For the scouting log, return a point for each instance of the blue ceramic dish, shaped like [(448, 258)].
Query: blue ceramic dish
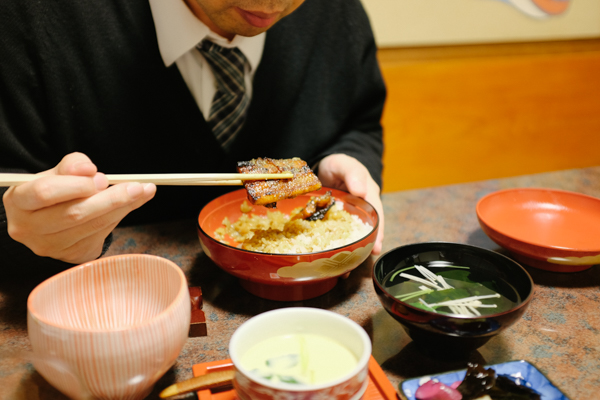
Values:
[(523, 369)]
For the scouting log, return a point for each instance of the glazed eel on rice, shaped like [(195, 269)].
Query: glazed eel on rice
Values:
[(268, 192)]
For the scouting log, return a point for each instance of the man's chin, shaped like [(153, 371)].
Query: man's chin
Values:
[(250, 31)]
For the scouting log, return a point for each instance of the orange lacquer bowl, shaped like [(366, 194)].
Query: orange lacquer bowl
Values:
[(549, 229), (284, 277)]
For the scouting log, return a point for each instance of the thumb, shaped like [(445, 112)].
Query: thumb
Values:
[(356, 182), (343, 172), (76, 164)]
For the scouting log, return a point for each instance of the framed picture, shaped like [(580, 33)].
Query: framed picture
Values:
[(442, 22)]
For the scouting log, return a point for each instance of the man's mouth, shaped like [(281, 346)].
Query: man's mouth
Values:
[(259, 19)]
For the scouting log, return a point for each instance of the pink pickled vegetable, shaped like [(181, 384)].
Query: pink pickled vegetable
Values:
[(432, 390), (455, 384)]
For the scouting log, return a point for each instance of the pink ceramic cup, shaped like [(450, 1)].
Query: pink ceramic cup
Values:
[(301, 320), (110, 328)]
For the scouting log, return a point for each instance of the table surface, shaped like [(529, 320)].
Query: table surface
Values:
[(559, 333)]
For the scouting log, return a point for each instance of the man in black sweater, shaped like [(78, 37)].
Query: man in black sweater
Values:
[(89, 86)]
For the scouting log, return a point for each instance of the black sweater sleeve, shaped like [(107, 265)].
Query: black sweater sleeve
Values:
[(362, 136)]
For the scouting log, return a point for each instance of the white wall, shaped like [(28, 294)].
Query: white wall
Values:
[(438, 22)]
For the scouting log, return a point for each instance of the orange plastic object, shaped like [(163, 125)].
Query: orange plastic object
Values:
[(555, 230), (284, 277), (379, 388)]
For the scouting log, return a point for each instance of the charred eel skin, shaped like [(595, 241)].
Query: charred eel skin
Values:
[(268, 192)]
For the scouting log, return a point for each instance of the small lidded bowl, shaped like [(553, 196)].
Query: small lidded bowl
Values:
[(110, 328), (300, 353)]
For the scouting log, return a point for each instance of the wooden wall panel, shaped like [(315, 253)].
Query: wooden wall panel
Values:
[(481, 112)]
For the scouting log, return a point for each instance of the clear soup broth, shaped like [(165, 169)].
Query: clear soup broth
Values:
[(451, 289), (300, 358)]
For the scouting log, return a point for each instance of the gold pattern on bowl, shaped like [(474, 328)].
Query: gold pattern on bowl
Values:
[(338, 264), (587, 260)]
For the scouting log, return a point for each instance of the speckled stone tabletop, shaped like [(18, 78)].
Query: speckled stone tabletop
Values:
[(559, 333)]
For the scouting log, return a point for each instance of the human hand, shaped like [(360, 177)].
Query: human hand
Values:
[(68, 213), (346, 173)]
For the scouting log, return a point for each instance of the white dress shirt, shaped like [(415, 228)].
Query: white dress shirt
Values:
[(178, 32)]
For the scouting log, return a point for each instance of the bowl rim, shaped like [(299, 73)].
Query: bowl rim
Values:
[(295, 255), (90, 264), (524, 302), (362, 363), (483, 221)]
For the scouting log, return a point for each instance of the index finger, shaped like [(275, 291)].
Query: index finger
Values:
[(49, 190)]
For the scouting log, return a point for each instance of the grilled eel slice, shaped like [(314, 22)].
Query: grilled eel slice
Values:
[(268, 193), (316, 208)]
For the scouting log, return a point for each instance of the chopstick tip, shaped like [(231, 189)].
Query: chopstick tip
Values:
[(169, 391)]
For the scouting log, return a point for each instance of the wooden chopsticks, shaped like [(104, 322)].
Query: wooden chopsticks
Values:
[(202, 382), (9, 179)]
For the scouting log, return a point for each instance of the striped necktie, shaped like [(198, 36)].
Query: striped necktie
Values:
[(228, 110)]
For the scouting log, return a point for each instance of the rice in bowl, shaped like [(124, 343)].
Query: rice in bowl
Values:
[(278, 233)]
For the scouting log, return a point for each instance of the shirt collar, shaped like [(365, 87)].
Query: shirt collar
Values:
[(178, 31)]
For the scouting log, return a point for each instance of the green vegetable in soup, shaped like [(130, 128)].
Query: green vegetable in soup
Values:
[(451, 290)]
